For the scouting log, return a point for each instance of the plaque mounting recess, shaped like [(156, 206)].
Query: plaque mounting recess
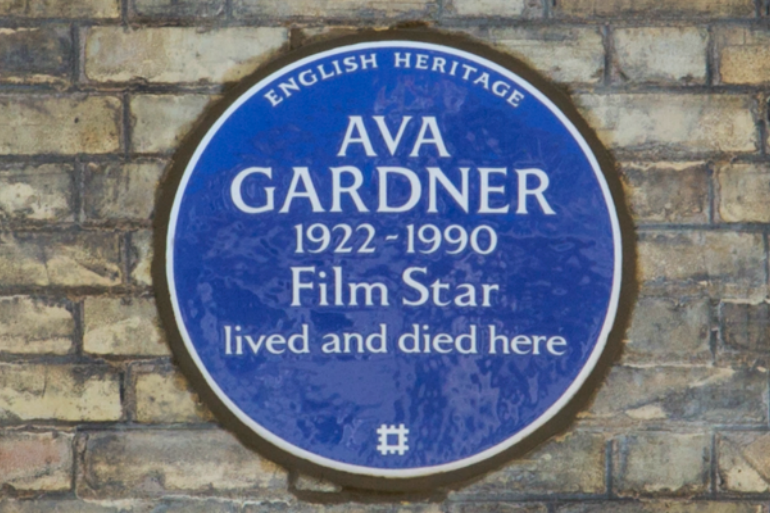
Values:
[(392, 259)]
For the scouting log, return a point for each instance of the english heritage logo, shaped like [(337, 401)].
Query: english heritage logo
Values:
[(390, 259)]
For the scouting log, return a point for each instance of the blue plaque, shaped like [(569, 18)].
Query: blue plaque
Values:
[(391, 258)]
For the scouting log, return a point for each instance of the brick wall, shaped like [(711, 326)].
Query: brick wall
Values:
[(95, 95)]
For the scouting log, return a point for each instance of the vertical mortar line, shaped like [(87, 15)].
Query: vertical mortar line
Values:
[(608, 478), (712, 200), (128, 397), (79, 443), (79, 200), (124, 13), (711, 56), (228, 10), (714, 328), (767, 261), (763, 121), (438, 17), (126, 126), (125, 254), (607, 40), (713, 467), (547, 9), (550, 507), (758, 8), (75, 57), (78, 312)]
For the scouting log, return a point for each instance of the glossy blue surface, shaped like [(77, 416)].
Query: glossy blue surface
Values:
[(232, 268)]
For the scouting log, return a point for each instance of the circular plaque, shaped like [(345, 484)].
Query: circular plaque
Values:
[(391, 258)]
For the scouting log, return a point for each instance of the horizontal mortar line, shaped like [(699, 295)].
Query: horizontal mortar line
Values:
[(652, 15), (127, 291), (24, 495), (95, 361), (701, 90), (684, 427), (139, 22), (19, 22), (23, 228), (481, 22), (625, 157), (489, 496), (668, 155), (89, 225), (722, 227), (652, 499), (141, 87), (53, 158), (138, 427), (47, 88)]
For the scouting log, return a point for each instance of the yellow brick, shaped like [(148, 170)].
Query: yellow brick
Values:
[(178, 54), (33, 124), (114, 326), (167, 398), (706, 8), (58, 392), (683, 123), (661, 54), (160, 122), (744, 54), (60, 8)]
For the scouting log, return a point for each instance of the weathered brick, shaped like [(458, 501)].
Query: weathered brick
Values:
[(496, 507), (179, 9), (661, 54), (160, 122), (681, 394), (662, 463), (169, 505), (708, 8), (506, 8), (660, 507), (36, 461), (114, 54), (665, 330), (37, 192), (726, 263), (743, 192), (305, 507), (140, 260), (35, 55), (743, 53), (190, 506), (32, 124), (127, 326), (31, 326), (121, 190), (60, 8), (550, 469), (68, 506), (667, 192), (58, 392), (744, 462), (152, 463), (563, 53), (315, 484), (166, 397), (67, 259), (340, 9), (681, 123), (745, 327)]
